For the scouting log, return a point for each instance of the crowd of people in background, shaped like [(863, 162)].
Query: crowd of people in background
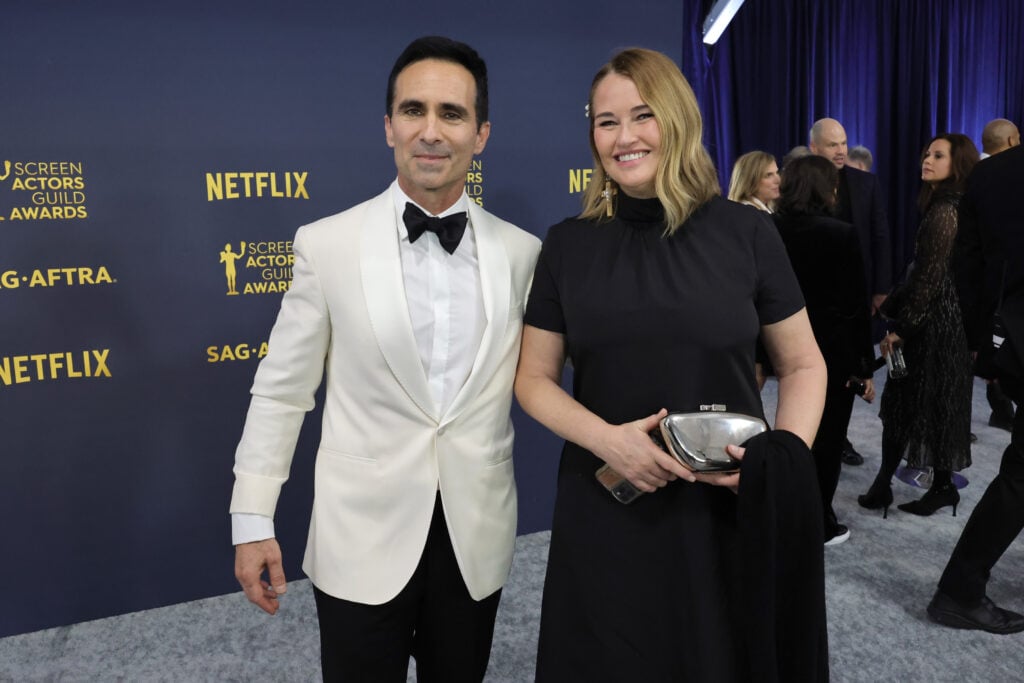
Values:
[(832, 218)]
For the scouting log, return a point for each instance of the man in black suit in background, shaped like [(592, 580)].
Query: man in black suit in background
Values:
[(859, 201), (991, 236), (998, 136)]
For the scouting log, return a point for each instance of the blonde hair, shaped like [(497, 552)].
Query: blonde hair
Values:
[(686, 176), (746, 176)]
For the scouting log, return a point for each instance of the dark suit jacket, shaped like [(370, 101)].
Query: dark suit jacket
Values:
[(989, 258), (826, 257), (861, 203)]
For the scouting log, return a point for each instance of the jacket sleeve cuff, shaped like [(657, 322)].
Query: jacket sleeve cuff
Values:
[(255, 494)]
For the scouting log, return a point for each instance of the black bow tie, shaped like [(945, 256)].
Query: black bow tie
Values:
[(449, 229)]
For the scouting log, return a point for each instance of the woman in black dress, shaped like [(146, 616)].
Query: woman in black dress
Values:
[(926, 416), (826, 256), (657, 293)]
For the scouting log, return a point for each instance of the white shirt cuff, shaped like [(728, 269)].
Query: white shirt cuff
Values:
[(247, 527)]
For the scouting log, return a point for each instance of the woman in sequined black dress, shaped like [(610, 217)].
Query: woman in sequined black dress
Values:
[(926, 415)]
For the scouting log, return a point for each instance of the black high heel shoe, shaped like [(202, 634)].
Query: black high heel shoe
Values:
[(932, 500), (878, 496)]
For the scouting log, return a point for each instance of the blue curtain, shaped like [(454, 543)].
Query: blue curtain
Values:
[(894, 72)]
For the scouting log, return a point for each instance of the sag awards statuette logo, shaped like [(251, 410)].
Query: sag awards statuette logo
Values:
[(256, 185), (41, 367), (44, 190), (56, 277), (475, 182), (267, 267)]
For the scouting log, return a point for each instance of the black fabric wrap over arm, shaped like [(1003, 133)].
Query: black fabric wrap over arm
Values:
[(782, 587)]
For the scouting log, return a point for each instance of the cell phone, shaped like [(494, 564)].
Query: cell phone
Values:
[(857, 385), (617, 485)]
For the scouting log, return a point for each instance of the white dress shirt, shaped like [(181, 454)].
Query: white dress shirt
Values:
[(445, 300)]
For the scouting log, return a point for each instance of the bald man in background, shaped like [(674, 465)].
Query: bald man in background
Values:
[(998, 136), (860, 202)]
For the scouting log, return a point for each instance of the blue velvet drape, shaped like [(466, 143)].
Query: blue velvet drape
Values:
[(894, 72)]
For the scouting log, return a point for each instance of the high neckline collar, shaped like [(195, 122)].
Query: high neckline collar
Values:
[(633, 210)]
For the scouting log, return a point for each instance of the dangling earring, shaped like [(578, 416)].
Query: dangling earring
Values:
[(608, 193)]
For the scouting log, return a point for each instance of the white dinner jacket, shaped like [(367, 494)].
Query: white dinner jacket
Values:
[(384, 450)]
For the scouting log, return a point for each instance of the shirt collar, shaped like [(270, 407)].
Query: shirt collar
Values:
[(757, 203)]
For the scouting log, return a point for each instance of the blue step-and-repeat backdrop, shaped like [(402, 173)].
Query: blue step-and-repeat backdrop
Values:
[(155, 161)]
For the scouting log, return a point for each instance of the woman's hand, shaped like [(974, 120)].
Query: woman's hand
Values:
[(732, 480), (888, 342), (630, 451)]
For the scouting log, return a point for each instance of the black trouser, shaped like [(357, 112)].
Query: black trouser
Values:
[(994, 524), (828, 447), (433, 619)]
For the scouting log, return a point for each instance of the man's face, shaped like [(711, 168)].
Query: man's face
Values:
[(434, 132), (831, 143)]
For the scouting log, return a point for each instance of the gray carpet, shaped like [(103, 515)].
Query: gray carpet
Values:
[(878, 585)]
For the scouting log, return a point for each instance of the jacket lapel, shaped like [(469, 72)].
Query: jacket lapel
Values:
[(495, 281), (388, 310)]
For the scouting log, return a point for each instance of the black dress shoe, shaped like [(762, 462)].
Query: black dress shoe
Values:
[(850, 456), (985, 616)]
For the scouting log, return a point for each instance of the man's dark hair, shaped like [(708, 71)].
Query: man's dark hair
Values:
[(446, 50), (808, 186)]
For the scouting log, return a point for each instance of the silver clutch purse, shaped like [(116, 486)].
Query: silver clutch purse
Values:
[(697, 441)]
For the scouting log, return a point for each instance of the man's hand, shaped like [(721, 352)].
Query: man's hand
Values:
[(251, 560)]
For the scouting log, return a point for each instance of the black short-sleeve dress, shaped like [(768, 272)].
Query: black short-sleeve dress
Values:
[(646, 591)]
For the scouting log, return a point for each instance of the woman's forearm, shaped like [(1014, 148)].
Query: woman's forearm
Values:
[(801, 401), (546, 401)]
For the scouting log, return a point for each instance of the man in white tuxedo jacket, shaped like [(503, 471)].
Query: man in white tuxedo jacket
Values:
[(411, 305)]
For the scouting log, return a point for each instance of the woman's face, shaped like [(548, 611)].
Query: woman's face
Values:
[(626, 136), (937, 162), (768, 189)]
